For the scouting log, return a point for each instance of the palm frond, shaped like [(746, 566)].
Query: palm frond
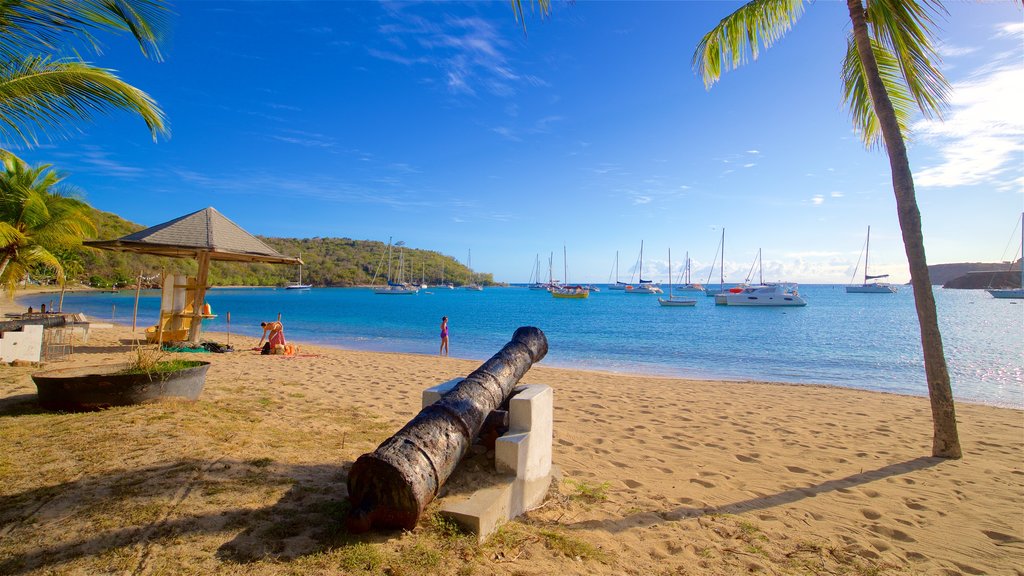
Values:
[(904, 29), (32, 26), (51, 95), (29, 257), (517, 9), (857, 99), (755, 24), (9, 235)]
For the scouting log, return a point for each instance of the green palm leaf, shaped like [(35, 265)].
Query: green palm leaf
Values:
[(32, 26), (755, 24), (858, 100), (37, 94)]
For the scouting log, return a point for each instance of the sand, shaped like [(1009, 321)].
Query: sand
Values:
[(690, 477)]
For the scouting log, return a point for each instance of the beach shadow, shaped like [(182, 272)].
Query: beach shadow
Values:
[(650, 518), (20, 405), (86, 349), (307, 519)]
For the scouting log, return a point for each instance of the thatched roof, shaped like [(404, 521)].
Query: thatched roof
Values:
[(204, 231)]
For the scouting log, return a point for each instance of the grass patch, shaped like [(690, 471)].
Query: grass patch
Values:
[(571, 546), (162, 367), (361, 556), (587, 492)]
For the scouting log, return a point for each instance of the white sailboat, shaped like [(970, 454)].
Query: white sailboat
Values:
[(674, 300), (396, 286), (1014, 292), (871, 284), (687, 286), (617, 285), (472, 282), (535, 283), (721, 270), (443, 284), (645, 286), (298, 285), (761, 294)]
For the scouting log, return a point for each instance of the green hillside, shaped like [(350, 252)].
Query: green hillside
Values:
[(329, 262)]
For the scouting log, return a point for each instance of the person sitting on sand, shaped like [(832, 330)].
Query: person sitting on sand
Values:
[(276, 331)]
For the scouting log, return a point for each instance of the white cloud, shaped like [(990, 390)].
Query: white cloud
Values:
[(982, 139), (818, 200), (836, 194)]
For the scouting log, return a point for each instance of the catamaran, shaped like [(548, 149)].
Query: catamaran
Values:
[(396, 286), (761, 294), (645, 286), (674, 300), (871, 284), (1014, 292)]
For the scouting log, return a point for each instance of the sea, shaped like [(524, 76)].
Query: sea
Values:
[(863, 341)]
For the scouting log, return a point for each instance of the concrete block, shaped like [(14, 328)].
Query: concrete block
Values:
[(434, 393), (25, 344)]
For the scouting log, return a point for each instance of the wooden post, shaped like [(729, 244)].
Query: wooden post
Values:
[(135, 311), (196, 328), (229, 328)]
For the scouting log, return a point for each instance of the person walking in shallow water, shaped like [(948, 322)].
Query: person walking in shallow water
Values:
[(444, 336)]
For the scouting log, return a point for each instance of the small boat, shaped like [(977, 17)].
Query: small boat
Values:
[(721, 271), (674, 300), (565, 290), (687, 286), (472, 286), (398, 286), (298, 285), (1014, 293), (645, 286), (871, 284), (617, 285)]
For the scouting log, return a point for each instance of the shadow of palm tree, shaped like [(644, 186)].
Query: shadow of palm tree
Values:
[(644, 519), (307, 519)]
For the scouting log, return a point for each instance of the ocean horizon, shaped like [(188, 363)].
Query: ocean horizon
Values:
[(861, 341)]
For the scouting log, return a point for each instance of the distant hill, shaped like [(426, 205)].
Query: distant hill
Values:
[(329, 262), (976, 275)]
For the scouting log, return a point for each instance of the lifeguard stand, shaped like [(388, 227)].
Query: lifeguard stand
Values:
[(180, 307)]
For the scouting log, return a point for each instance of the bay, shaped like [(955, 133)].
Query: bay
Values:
[(864, 341)]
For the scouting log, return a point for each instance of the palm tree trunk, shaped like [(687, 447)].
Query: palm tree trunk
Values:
[(945, 440)]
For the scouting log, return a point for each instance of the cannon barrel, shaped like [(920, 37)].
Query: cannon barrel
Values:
[(390, 487)]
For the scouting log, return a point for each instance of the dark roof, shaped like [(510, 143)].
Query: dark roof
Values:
[(204, 231)]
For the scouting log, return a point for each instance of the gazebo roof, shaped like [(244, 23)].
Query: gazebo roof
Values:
[(206, 230)]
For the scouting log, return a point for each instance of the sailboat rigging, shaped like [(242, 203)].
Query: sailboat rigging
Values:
[(1014, 292), (674, 300), (298, 285), (871, 284)]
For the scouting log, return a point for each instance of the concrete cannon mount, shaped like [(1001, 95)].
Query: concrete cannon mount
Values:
[(98, 387)]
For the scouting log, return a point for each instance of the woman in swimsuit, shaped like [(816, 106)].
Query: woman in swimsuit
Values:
[(444, 336)]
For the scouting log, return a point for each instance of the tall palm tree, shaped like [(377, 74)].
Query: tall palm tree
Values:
[(888, 71), (37, 219), (42, 93)]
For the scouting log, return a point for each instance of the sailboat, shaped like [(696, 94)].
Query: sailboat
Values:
[(687, 286), (398, 285), (444, 284), (565, 290), (674, 300), (1014, 292), (871, 284), (535, 283), (298, 285), (472, 283), (645, 286), (761, 294), (617, 285), (721, 270)]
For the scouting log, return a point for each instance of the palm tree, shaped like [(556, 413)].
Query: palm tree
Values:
[(887, 71), (37, 220), (42, 93)]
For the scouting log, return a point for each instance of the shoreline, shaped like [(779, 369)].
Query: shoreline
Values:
[(221, 335)]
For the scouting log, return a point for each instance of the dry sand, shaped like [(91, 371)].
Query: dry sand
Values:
[(697, 477)]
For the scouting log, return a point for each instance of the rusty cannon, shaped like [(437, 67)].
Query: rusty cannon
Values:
[(390, 487)]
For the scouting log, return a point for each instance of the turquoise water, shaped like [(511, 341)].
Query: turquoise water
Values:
[(867, 341)]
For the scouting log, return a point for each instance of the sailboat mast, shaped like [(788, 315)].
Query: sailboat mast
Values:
[(721, 267), (670, 273), (565, 266), (389, 259), (867, 251)]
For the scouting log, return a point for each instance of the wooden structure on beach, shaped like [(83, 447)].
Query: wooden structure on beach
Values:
[(205, 235)]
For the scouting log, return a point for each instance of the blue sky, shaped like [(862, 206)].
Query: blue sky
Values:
[(443, 125)]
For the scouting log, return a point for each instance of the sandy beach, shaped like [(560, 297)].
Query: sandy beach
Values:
[(659, 476)]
